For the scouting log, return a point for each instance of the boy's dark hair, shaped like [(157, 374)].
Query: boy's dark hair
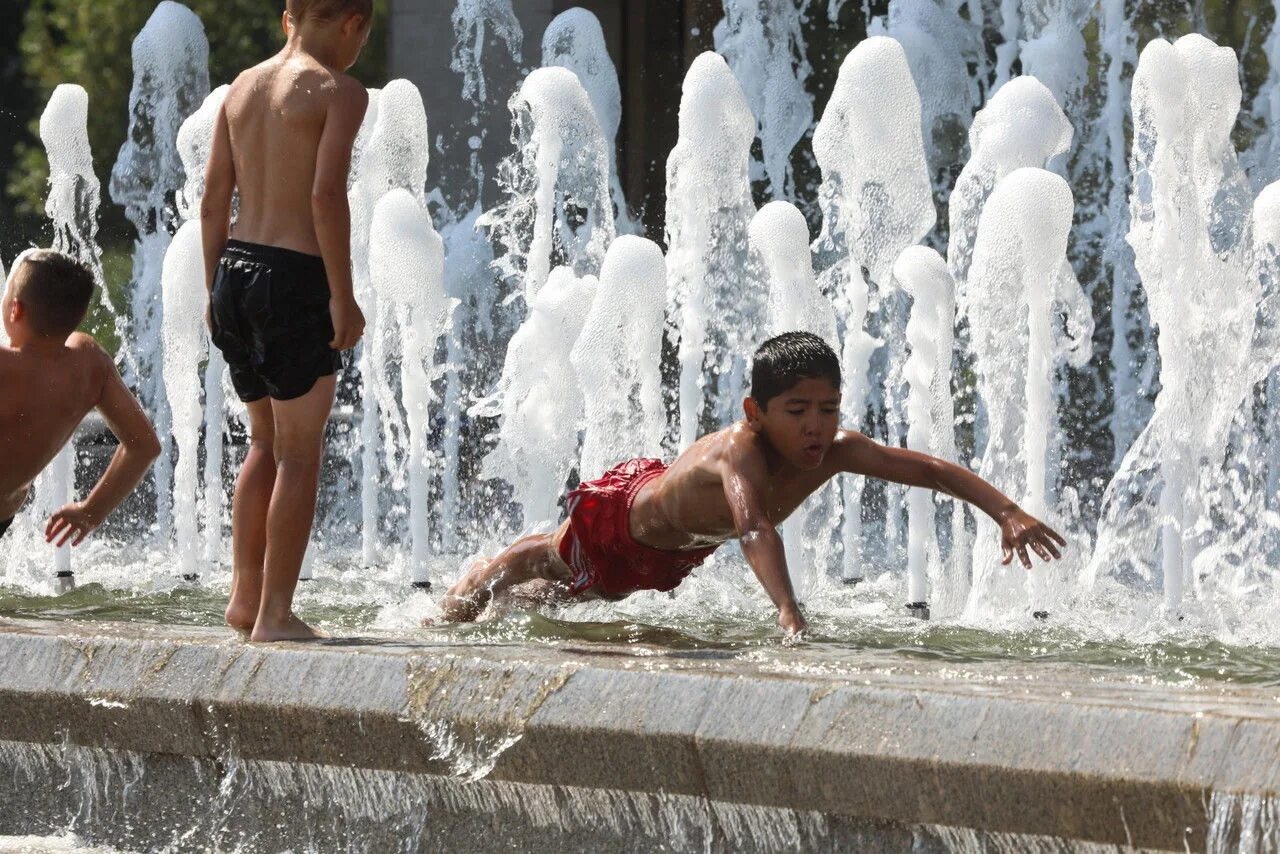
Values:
[(783, 361), (327, 10), (54, 290)]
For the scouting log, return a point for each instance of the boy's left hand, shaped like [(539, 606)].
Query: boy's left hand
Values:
[(71, 521), (1020, 531)]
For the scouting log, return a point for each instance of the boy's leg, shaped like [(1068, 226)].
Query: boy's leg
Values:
[(527, 559), (299, 445), (249, 517)]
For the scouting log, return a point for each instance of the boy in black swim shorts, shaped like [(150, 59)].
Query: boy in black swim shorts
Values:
[(270, 318), (281, 304)]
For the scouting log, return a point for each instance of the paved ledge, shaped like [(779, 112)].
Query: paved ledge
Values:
[(577, 745)]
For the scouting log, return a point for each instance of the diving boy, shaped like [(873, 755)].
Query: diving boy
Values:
[(50, 377), (280, 291), (645, 526)]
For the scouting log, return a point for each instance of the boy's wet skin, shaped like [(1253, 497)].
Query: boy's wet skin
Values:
[(51, 380), (283, 141), (741, 482)]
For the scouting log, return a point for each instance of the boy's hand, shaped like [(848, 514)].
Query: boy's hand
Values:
[(71, 521), (348, 323), (1020, 530), (792, 622)]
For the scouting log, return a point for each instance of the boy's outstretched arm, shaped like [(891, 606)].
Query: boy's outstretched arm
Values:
[(215, 205), (331, 211), (138, 449), (1019, 530), (744, 476)]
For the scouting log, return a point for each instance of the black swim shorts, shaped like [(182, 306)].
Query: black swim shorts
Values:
[(271, 320), (4, 525)]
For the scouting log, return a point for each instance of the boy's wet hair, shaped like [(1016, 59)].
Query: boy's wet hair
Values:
[(54, 290), (785, 360), (328, 10)]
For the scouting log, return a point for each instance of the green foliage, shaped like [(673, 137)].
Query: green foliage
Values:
[(71, 41)]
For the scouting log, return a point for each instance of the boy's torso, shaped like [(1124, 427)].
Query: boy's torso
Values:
[(276, 115), (686, 508), (44, 400)]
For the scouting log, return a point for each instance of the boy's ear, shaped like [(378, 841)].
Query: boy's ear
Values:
[(751, 408), (284, 23), (354, 25)]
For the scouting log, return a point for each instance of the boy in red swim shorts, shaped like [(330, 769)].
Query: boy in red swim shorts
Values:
[(646, 526)]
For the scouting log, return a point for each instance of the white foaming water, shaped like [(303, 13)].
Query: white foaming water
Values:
[(395, 155), (1189, 235), (539, 399), (711, 299), (1021, 126), (170, 80), (876, 199), (939, 45), (780, 238), (1129, 408), (472, 22), (406, 266), (361, 197), (195, 142), (185, 347), (1021, 285), (930, 333), (618, 358), (559, 209), (72, 208), (1266, 339), (1054, 50), (763, 42), (362, 194), (575, 40)]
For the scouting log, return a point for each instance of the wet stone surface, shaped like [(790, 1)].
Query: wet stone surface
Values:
[(173, 735)]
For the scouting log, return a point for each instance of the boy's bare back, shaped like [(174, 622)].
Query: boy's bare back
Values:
[(46, 396), (276, 114)]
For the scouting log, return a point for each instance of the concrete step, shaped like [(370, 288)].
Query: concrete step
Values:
[(580, 746)]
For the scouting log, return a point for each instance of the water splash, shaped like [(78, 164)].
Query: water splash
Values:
[(539, 400), (617, 359), (472, 21), (195, 142), (406, 265), (575, 40), (558, 208), (1021, 284), (763, 42), (170, 80), (713, 317)]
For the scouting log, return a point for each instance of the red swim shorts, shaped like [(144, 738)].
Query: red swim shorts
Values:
[(598, 547)]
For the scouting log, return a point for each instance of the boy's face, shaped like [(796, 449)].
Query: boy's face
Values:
[(801, 422)]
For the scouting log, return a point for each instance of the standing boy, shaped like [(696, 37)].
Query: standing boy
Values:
[(50, 377), (281, 302), (646, 526)]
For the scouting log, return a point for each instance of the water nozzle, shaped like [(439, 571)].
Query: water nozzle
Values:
[(919, 610)]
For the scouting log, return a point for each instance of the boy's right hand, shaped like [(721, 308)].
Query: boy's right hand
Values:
[(348, 323)]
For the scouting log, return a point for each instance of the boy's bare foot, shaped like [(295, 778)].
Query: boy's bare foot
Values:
[(241, 617), (268, 631)]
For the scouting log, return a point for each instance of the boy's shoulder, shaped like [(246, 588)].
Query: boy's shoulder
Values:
[(93, 355)]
